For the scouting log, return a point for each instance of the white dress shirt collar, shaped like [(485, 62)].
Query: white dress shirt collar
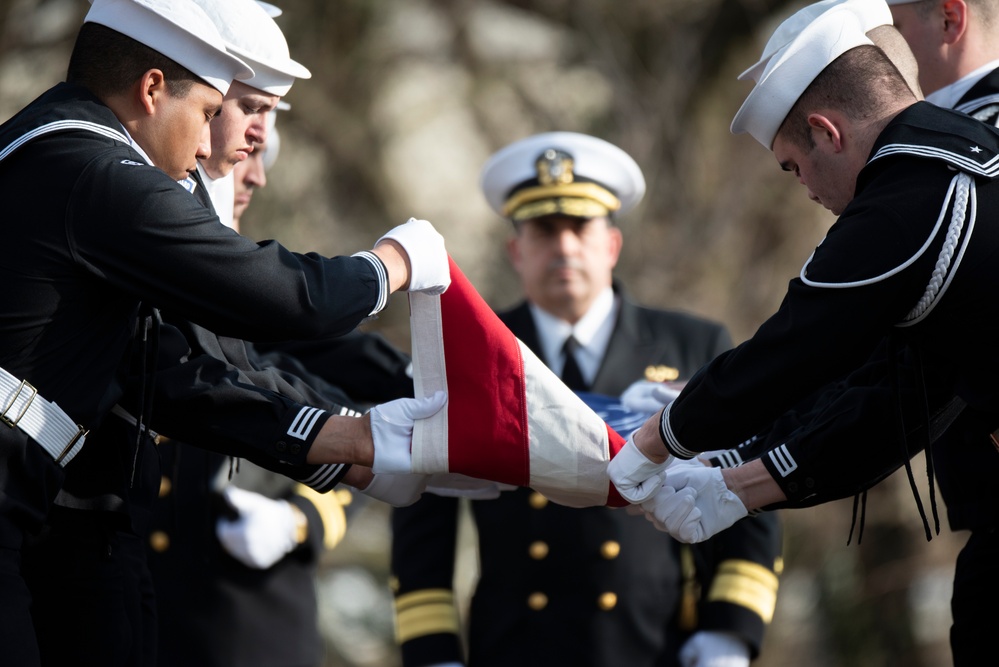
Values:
[(592, 332)]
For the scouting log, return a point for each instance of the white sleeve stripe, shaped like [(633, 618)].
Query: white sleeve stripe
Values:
[(730, 459), (383, 283), (672, 444), (302, 425), (323, 475), (783, 460)]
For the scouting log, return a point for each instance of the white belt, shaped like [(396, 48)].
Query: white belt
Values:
[(44, 422)]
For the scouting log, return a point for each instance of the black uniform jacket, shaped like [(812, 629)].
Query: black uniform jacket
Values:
[(966, 461), (213, 610), (884, 271), (592, 586), (97, 230)]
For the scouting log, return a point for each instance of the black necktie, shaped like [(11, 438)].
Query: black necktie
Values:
[(571, 375)]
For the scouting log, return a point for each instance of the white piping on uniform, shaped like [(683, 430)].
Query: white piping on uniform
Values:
[(61, 125)]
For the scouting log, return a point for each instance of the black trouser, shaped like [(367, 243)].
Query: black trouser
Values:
[(93, 603), (976, 589), (29, 481)]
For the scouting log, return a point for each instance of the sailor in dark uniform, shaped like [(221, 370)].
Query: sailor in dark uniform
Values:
[(593, 586), (233, 548), (103, 229), (908, 264), (965, 462)]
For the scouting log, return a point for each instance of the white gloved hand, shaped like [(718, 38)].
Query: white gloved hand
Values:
[(392, 431), (429, 270), (397, 490), (455, 485), (695, 505), (637, 478), (264, 532), (647, 397), (714, 649)]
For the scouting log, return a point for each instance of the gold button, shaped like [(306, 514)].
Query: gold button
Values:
[(537, 500), (537, 601), (344, 497), (166, 486), (538, 550), (160, 439), (607, 601), (159, 541), (610, 549)]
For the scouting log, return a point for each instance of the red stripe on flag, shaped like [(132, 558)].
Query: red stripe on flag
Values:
[(615, 442), (486, 385)]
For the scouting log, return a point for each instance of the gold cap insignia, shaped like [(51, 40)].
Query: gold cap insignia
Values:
[(555, 167)]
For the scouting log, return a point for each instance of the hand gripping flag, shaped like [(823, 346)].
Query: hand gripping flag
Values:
[(508, 418)]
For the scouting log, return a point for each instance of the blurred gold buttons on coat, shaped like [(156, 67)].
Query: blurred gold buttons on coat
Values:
[(166, 486), (607, 601), (610, 549), (159, 541), (537, 500), (538, 550), (537, 601)]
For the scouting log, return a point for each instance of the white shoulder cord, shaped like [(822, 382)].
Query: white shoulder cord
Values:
[(943, 272)]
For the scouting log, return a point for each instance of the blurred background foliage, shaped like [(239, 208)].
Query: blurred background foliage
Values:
[(407, 100)]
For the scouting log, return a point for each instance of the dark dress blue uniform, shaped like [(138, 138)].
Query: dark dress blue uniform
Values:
[(591, 586), (97, 231)]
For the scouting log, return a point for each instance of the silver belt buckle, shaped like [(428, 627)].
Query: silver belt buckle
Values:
[(12, 421)]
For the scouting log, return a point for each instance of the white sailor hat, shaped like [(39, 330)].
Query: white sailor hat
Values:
[(250, 33), (180, 31), (902, 2), (793, 67), (871, 13), (561, 172), (272, 10)]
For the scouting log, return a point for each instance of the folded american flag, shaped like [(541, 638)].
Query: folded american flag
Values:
[(508, 418)]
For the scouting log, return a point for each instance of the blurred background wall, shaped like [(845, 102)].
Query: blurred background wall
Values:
[(407, 100)]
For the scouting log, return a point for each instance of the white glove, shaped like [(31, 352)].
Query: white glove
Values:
[(714, 649), (455, 485), (264, 532), (695, 505), (392, 431), (637, 478), (396, 490), (647, 397), (429, 270)]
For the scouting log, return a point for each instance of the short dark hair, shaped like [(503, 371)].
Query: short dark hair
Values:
[(858, 83), (106, 62)]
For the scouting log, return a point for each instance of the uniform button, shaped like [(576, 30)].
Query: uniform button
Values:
[(159, 541), (344, 497), (166, 486), (610, 549), (537, 601), (281, 445), (295, 448), (160, 439), (537, 500), (607, 601), (538, 550)]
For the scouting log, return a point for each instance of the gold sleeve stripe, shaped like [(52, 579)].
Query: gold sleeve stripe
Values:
[(426, 612), (331, 512), (747, 584)]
